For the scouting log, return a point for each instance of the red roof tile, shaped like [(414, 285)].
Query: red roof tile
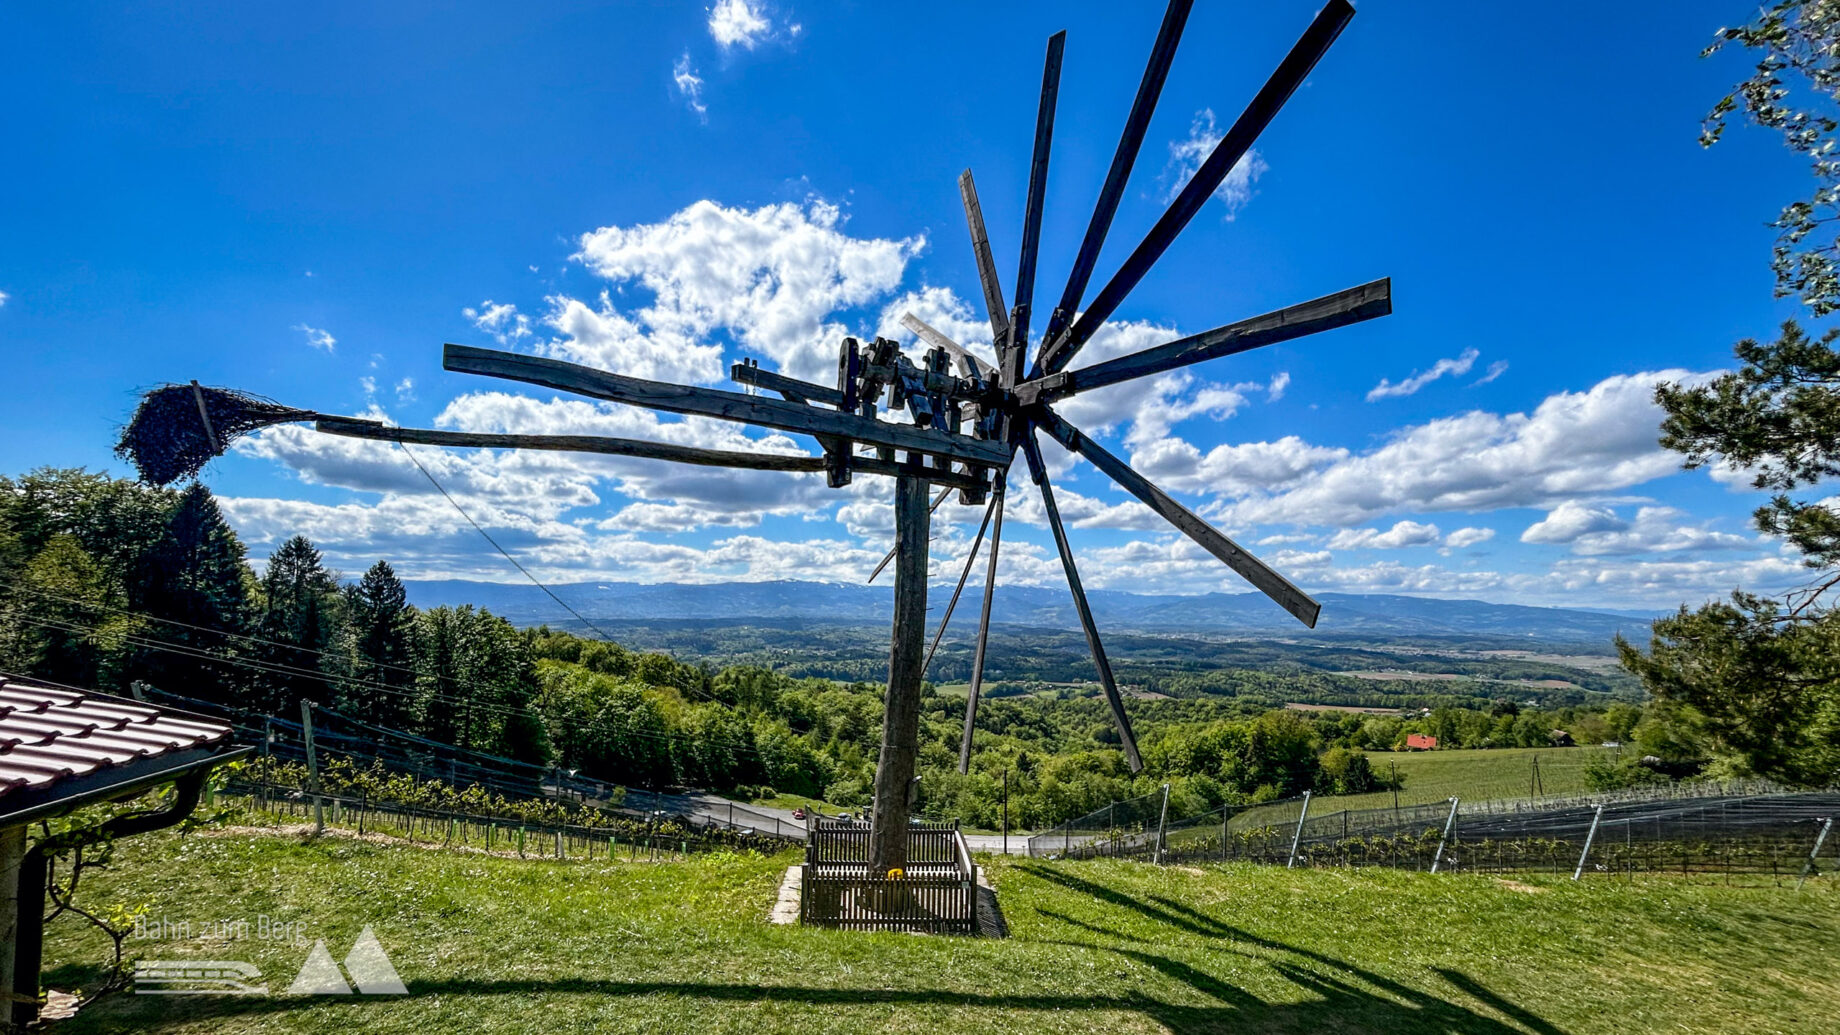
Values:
[(49, 735)]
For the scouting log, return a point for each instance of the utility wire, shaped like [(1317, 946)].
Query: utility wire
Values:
[(488, 538)]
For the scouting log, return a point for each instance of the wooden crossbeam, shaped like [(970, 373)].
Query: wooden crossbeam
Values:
[(354, 428), (710, 402), (1366, 302), (788, 386)]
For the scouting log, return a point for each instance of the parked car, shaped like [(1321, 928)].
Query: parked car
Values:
[(844, 817), (798, 813)]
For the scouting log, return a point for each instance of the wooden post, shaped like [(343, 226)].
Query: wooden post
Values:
[(13, 901), (901, 712), (1006, 812), (306, 726)]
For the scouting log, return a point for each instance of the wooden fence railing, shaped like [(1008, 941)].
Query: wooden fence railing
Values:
[(936, 891)]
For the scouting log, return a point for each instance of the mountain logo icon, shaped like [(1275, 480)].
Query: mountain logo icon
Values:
[(367, 964)]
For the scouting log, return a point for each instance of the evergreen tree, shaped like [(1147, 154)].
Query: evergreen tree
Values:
[(193, 575), (300, 613), (1761, 676), (377, 621)]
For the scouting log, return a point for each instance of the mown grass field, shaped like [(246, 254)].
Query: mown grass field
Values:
[(1480, 775), (490, 944)]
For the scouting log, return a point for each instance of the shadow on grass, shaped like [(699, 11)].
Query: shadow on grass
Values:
[(1336, 996)]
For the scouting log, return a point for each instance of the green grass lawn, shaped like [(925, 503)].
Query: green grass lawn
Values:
[(1479, 775), (490, 944)]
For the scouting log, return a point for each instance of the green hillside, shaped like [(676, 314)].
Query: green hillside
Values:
[(502, 945), (1482, 775)]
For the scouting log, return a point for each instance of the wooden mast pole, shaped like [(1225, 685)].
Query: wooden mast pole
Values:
[(901, 715)]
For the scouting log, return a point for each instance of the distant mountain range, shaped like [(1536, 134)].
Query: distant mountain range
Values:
[(1219, 614)]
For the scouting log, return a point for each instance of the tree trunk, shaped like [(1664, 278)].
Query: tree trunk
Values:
[(901, 713)]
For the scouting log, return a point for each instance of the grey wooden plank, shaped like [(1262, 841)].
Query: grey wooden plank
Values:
[(1354, 305), (710, 402), (986, 263), (1038, 189), (952, 605), (938, 340), (806, 391), (1253, 570), (1039, 473)]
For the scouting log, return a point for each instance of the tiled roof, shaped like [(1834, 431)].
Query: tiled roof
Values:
[(57, 743)]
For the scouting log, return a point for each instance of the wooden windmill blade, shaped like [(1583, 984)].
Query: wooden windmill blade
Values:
[(1232, 147), (1353, 305), (1031, 218), (986, 263), (1300, 604), (970, 562), (1038, 472), (1129, 143)]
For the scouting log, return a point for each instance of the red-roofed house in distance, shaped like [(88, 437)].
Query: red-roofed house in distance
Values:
[(1420, 742)]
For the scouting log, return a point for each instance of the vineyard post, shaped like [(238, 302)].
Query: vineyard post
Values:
[(1450, 821), (1297, 837), (1819, 839), (1162, 825), (1590, 836), (306, 728)]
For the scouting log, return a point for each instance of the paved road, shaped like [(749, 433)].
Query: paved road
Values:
[(725, 811)]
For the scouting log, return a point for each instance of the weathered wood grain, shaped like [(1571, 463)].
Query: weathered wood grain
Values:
[(1366, 302), (710, 402)]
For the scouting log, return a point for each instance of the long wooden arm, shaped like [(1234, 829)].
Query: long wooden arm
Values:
[(355, 428), (1366, 302), (1039, 472), (1255, 571), (1135, 125), (1233, 146), (986, 263), (710, 402)]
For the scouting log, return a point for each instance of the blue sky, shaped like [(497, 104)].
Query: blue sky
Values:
[(306, 203)]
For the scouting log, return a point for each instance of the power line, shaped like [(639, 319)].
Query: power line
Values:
[(327, 655), (488, 538), (185, 650)]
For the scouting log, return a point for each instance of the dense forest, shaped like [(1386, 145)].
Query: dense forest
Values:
[(107, 582)]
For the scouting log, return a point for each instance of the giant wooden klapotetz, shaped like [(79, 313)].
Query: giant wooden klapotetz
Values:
[(969, 416)]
